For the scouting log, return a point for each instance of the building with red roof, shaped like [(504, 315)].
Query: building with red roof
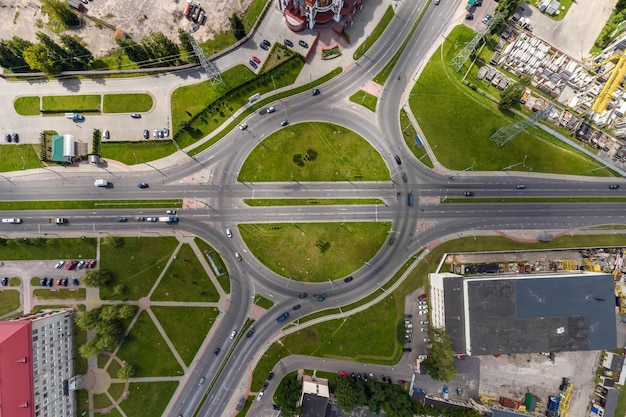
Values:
[(303, 14), (36, 365)]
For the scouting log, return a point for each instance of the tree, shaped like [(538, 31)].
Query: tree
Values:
[(54, 51), (12, 54), (89, 349), (185, 42), (110, 312), (127, 311), (119, 290), (88, 319), (97, 277), (107, 342), (397, 402), (510, 96), (134, 51), (350, 393), (236, 25), (80, 55), (60, 11), (127, 371), (37, 58), (440, 362), (160, 49), (287, 396)]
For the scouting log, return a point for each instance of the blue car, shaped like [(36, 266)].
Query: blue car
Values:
[(142, 185)]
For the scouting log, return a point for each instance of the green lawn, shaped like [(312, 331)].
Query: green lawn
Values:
[(82, 402), (341, 155), (462, 140), (364, 99), (264, 202), (145, 348), (145, 151), (408, 134), (17, 157), (187, 327), (27, 106), (16, 282), (101, 401), (137, 263), (116, 390), (112, 413), (127, 103), (63, 104), (620, 410), (246, 407), (376, 33), (148, 399), (88, 204), (48, 248), (263, 302), (60, 294), (295, 250), (185, 280), (80, 363), (9, 301), (224, 278)]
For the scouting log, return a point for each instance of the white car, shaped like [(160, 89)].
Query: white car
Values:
[(424, 322), (423, 311), (170, 211), (238, 256), (258, 398), (422, 303), (422, 357), (59, 264), (155, 133), (243, 126), (229, 233), (106, 134), (271, 109), (427, 340), (233, 334)]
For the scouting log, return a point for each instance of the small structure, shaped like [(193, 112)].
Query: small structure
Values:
[(315, 396), (57, 149), (68, 148), (304, 14), (550, 7)]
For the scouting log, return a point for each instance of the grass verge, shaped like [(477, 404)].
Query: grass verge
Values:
[(222, 274), (314, 152), (408, 134), (9, 301), (60, 294), (125, 152), (126, 103), (263, 302), (27, 106), (40, 248), (314, 252), (71, 103), (148, 399), (376, 33), (265, 202), (364, 99), (19, 157)]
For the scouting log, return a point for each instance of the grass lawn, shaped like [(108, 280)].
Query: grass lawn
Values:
[(408, 134), (9, 301), (137, 263), (222, 275), (187, 327), (463, 139), (185, 280), (17, 157), (27, 106), (101, 401), (16, 282), (295, 250), (620, 410), (145, 348), (127, 103), (113, 368), (82, 402), (264, 202), (48, 248), (71, 103), (148, 399), (373, 37), (80, 363), (246, 407), (146, 151), (112, 413), (263, 302), (60, 294), (341, 155), (364, 99), (116, 390)]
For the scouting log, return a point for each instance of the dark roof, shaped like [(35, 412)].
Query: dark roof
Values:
[(548, 313), (608, 382), (313, 406), (455, 315), (617, 362), (611, 403)]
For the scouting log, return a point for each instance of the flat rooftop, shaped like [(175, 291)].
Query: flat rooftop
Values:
[(532, 313)]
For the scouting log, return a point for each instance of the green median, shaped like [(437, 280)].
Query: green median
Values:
[(88, 204), (265, 202)]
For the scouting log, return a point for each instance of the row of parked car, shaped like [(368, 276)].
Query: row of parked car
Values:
[(369, 377), (61, 282), (70, 265), (13, 137)]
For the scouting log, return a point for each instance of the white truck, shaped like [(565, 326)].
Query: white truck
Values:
[(14, 220), (169, 219), (74, 116), (101, 183)]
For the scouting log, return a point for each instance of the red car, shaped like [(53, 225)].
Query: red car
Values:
[(59, 281), (257, 60), (343, 374), (422, 297)]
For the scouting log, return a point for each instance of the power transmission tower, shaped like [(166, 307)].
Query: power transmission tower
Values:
[(463, 55), (505, 134), (215, 77)]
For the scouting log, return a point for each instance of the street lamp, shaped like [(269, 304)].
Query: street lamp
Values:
[(135, 158)]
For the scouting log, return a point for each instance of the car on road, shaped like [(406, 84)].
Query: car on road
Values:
[(404, 177), (5, 281), (303, 295), (348, 279), (271, 109), (315, 92), (521, 186), (321, 298), (284, 122), (469, 16), (59, 264), (407, 350), (288, 43), (229, 233), (250, 332), (121, 219), (437, 2), (253, 64), (468, 194), (233, 334), (216, 351), (257, 60), (422, 357), (135, 115), (398, 160), (264, 46), (75, 282), (243, 126), (238, 256), (146, 134), (106, 134), (296, 307), (283, 317), (15, 137), (614, 186), (140, 219), (270, 376), (172, 211), (142, 185), (303, 44), (201, 381), (151, 219)]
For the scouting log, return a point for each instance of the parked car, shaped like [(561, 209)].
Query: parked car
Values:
[(155, 133), (75, 282), (424, 322), (43, 281), (408, 316), (146, 134), (266, 43), (50, 282), (80, 265), (260, 396), (264, 387), (106, 134), (253, 64), (64, 282), (424, 329), (5, 281), (422, 357), (487, 18), (275, 407), (423, 302), (288, 43), (59, 281), (7, 137), (135, 115), (270, 376), (421, 297), (427, 340), (469, 16), (303, 44), (407, 350), (166, 131), (59, 264), (15, 137), (264, 46), (257, 60)]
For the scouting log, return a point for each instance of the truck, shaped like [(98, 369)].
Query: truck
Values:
[(74, 116), (525, 97), (57, 220), (101, 183), (410, 199), (169, 219)]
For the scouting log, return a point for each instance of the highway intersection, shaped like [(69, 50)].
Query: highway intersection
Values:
[(221, 197)]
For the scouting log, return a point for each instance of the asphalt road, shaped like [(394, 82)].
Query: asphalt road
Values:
[(224, 207)]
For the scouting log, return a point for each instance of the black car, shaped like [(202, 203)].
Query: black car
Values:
[(266, 43), (265, 386), (302, 295), (614, 186), (135, 115), (75, 282), (50, 282), (43, 281), (216, 351), (7, 137), (469, 16), (282, 318), (142, 185), (296, 307), (253, 64), (404, 178), (521, 186), (64, 282), (146, 134), (315, 92), (250, 333), (264, 46), (275, 407), (284, 123), (15, 137), (398, 160), (5, 281), (270, 376), (468, 194), (348, 279), (288, 43), (303, 44), (407, 350)]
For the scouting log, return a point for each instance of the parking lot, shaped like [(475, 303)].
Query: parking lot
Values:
[(416, 319)]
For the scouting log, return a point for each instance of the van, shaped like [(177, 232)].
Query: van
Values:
[(14, 220), (101, 183), (410, 199)]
